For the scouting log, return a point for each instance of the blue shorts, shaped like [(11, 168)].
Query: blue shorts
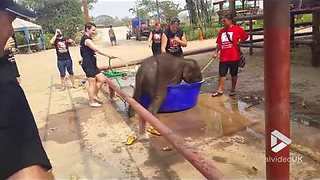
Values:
[(65, 65)]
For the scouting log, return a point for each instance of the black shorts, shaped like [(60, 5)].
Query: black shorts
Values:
[(90, 68), (113, 39), (156, 49), (20, 144), (224, 67)]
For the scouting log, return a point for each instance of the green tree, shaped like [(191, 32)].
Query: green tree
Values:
[(58, 14), (108, 20), (200, 12), (192, 10), (148, 9)]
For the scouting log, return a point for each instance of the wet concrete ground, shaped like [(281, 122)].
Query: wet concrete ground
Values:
[(87, 143), (229, 132), (224, 129)]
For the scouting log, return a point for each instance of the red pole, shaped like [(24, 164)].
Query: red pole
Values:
[(277, 88)]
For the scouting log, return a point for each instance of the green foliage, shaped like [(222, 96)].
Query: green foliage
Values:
[(193, 33), (58, 14), (211, 33), (257, 24), (109, 20), (47, 38), (200, 12), (304, 18), (148, 9), (19, 37)]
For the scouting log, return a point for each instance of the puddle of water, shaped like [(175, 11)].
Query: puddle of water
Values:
[(212, 117), (60, 128)]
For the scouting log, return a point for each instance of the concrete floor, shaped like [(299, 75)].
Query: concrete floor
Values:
[(88, 143)]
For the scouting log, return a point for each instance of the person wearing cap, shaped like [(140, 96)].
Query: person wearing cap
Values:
[(10, 49), (112, 36), (229, 51), (64, 58), (173, 39), (155, 39), (22, 155), (88, 52)]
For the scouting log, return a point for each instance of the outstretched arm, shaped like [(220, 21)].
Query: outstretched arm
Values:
[(71, 41), (150, 39), (92, 46), (164, 41)]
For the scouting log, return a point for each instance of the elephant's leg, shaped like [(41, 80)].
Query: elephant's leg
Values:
[(158, 100), (136, 96)]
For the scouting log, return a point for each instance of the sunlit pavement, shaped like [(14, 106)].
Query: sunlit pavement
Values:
[(87, 143)]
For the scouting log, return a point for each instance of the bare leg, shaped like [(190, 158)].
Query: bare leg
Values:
[(92, 89), (63, 82), (234, 83), (102, 79), (32, 172), (98, 85), (72, 80), (221, 84)]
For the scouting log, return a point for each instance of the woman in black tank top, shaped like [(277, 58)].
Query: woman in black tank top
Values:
[(173, 39), (155, 39), (88, 52)]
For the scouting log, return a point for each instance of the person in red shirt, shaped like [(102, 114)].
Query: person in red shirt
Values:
[(229, 52)]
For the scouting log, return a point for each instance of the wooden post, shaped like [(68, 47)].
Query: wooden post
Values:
[(251, 36), (220, 10), (85, 11), (316, 39), (232, 7), (292, 23)]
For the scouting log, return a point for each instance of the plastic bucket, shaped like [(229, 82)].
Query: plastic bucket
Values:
[(179, 97)]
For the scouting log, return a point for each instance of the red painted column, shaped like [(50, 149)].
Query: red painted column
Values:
[(277, 87)]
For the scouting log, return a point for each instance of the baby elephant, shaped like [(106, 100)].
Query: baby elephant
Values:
[(156, 73)]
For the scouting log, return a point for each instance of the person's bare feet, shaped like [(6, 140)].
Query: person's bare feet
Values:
[(217, 93)]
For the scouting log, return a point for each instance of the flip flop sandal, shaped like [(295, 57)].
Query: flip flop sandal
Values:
[(216, 94), (131, 139), (232, 93), (153, 131), (98, 100)]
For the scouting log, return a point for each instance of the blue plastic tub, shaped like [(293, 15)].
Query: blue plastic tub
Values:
[(179, 97)]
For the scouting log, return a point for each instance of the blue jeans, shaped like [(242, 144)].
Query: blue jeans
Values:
[(65, 65)]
